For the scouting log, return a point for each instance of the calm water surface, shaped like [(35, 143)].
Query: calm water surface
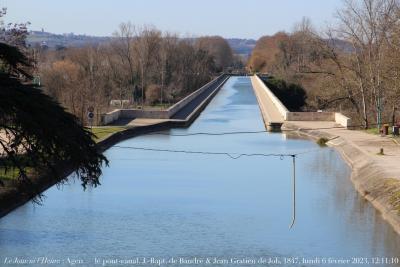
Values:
[(162, 205)]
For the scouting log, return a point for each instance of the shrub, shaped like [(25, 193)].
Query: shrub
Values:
[(322, 141), (153, 92), (293, 96)]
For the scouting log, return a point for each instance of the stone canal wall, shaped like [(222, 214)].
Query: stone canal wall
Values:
[(257, 82), (15, 196), (117, 114), (270, 105)]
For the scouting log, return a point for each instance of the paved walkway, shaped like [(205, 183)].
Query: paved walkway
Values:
[(137, 122), (369, 144), (182, 115)]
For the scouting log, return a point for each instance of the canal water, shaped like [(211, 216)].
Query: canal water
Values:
[(164, 205)]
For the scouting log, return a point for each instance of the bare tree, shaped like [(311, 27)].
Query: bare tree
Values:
[(162, 67), (124, 48), (366, 25), (353, 64), (146, 46)]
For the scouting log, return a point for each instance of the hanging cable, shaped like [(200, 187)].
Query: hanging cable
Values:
[(232, 155), (237, 156), (293, 192)]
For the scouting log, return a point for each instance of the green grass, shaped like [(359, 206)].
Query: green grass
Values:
[(372, 131), (102, 132), (376, 131), (12, 173)]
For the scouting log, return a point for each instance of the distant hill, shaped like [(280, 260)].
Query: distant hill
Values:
[(52, 40), (242, 46), (36, 38)]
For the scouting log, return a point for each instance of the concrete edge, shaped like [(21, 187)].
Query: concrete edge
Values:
[(279, 105), (192, 96), (12, 198), (368, 178), (269, 123), (197, 111), (264, 114), (112, 116)]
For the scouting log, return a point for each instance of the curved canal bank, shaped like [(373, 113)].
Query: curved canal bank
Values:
[(166, 205), (376, 177)]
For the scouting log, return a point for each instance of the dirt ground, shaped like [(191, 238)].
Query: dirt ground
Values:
[(367, 143)]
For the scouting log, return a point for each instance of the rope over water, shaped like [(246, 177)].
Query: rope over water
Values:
[(237, 156)]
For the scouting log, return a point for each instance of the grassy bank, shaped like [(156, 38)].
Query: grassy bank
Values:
[(99, 132), (103, 132), (9, 174), (376, 131)]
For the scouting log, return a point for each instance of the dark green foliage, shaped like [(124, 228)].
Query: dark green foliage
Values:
[(33, 125), (293, 96), (322, 141), (13, 60)]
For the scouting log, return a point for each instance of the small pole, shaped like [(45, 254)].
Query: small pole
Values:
[(294, 192)]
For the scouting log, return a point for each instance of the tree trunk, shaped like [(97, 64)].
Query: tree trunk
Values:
[(365, 116), (394, 115)]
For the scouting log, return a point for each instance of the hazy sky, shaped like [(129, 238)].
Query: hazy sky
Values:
[(229, 18)]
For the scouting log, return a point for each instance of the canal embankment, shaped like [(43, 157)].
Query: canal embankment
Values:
[(376, 176), (179, 111), (146, 195), (187, 111), (272, 110), (275, 113)]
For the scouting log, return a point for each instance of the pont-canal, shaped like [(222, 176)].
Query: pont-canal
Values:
[(163, 205)]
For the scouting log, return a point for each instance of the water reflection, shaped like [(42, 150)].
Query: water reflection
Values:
[(163, 205)]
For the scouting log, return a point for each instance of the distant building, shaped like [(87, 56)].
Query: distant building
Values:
[(43, 45)]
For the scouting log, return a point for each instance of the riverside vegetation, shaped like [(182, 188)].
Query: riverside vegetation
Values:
[(352, 67), (139, 64), (37, 135)]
